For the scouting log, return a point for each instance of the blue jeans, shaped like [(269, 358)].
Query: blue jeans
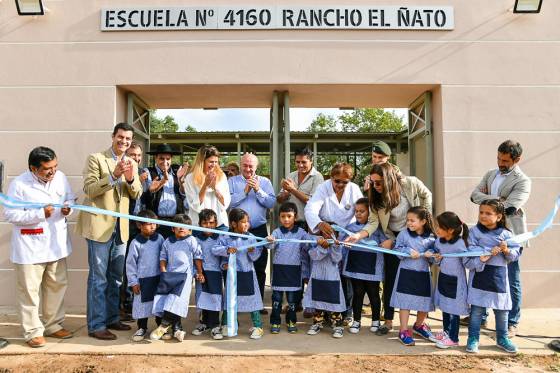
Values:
[(476, 317), (451, 326), (514, 277), (293, 298), (106, 266)]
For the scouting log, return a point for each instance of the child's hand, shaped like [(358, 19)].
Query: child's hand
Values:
[(485, 258), (136, 289), (270, 238), (504, 248), (322, 242), (496, 250), (231, 250), (200, 278), (428, 254), (414, 254), (437, 256), (225, 266), (251, 249)]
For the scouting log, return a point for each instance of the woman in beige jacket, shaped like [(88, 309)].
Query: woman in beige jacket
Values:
[(389, 200)]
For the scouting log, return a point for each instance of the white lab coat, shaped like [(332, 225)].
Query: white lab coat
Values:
[(324, 206), (36, 239)]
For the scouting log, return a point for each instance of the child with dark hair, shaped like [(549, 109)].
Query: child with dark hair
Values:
[(451, 290), (488, 275), (210, 291), (176, 259), (413, 284), (248, 293), (290, 266), (142, 268)]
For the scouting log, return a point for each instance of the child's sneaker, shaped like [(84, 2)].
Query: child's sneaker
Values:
[(347, 320), (374, 326), (139, 335), (274, 328), (158, 332), (507, 345), (423, 331), (292, 328), (446, 343), (355, 327), (217, 333), (256, 333), (472, 345), (179, 335), (200, 329), (406, 338), (167, 336), (338, 332), (439, 336), (315, 329)]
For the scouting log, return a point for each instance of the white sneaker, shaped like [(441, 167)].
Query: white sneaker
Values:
[(256, 333), (139, 335), (374, 326), (338, 332), (179, 335), (200, 329), (314, 329), (158, 332), (355, 327), (217, 333)]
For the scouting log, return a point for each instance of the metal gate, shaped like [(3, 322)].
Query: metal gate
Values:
[(420, 142), (138, 116)]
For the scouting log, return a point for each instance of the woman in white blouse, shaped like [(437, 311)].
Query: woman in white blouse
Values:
[(206, 186), (333, 201)]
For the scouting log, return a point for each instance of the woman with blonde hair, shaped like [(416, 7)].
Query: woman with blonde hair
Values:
[(206, 187)]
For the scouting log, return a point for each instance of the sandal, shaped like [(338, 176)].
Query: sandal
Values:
[(383, 329)]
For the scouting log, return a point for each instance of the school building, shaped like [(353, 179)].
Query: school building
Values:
[(472, 73)]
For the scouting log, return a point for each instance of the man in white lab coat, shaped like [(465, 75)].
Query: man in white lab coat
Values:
[(40, 245)]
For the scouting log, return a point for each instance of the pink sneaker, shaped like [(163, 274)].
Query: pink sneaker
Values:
[(446, 343), (438, 336)]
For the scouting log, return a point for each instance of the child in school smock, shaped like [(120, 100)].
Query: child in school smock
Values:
[(210, 292), (451, 290), (359, 263)]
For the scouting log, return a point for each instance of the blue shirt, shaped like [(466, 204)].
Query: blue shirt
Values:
[(168, 202), (255, 204)]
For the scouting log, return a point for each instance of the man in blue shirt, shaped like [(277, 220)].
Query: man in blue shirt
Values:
[(255, 195)]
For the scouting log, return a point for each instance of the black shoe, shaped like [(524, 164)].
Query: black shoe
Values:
[(3, 343)]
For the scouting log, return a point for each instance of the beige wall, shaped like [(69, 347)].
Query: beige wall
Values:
[(496, 76)]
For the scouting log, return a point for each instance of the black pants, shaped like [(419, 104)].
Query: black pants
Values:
[(143, 323), (360, 288), (262, 262), (391, 268), (211, 318), (348, 295), (170, 318)]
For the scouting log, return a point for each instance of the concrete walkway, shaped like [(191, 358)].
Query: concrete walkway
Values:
[(535, 322)]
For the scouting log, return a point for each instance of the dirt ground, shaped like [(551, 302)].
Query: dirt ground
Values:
[(315, 363)]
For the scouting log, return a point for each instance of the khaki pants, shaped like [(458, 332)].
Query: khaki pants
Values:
[(41, 284)]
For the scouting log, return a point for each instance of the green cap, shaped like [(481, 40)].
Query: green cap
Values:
[(380, 147)]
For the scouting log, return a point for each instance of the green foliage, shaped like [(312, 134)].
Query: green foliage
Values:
[(371, 120), (166, 125)]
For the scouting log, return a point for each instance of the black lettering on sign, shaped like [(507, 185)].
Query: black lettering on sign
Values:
[(404, 16), (121, 18), (168, 22), (158, 18), (383, 23), (373, 17), (428, 17), (302, 19), (326, 20), (201, 17), (109, 16), (417, 19), (182, 19), (287, 16), (145, 18), (315, 18), (355, 17), (440, 18), (229, 18), (130, 18), (265, 17), (251, 17)]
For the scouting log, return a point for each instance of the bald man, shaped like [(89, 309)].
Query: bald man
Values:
[(255, 195)]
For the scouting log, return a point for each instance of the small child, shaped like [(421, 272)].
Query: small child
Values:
[(365, 270), (324, 292), (176, 259), (413, 284), (248, 293), (488, 274), (209, 291), (142, 268), (290, 266), (451, 291)]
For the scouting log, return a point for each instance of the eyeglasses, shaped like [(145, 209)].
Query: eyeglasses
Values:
[(343, 182)]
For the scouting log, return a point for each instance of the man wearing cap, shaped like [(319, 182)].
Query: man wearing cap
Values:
[(165, 195), (380, 153), (110, 182)]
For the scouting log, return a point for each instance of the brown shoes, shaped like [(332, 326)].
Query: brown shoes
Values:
[(103, 335), (61, 334), (119, 326), (36, 342)]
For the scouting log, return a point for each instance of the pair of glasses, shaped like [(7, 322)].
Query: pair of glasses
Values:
[(343, 182)]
